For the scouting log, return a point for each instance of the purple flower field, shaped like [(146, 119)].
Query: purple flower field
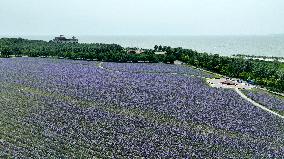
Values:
[(74, 109), (154, 68), (271, 101)]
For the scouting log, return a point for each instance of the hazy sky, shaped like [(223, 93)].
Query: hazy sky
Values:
[(141, 17)]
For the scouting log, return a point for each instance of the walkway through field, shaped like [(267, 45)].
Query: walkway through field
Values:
[(257, 104)]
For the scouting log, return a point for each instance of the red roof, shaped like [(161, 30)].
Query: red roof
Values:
[(227, 82)]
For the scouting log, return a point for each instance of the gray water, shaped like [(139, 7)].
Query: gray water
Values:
[(270, 45)]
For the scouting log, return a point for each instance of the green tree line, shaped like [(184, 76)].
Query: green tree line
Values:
[(264, 73), (269, 74), (96, 51)]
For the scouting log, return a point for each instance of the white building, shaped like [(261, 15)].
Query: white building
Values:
[(161, 53)]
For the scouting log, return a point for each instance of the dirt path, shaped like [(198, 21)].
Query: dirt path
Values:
[(257, 104)]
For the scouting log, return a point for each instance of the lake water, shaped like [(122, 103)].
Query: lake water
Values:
[(270, 45)]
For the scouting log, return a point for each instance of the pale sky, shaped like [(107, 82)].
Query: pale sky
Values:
[(141, 17)]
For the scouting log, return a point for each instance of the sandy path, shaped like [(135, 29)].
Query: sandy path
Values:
[(257, 104)]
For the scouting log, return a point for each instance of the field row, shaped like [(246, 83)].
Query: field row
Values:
[(74, 109)]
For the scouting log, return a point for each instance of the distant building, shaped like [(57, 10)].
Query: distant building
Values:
[(62, 39), (177, 62), (161, 53), (228, 82), (133, 51)]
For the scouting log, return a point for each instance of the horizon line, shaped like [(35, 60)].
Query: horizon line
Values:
[(141, 35)]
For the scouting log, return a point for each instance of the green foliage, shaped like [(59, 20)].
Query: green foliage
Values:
[(102, 52), (36, 48), (264, 73), (269, 74)]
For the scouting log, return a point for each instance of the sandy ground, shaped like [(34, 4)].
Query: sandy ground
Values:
[(217, 83)]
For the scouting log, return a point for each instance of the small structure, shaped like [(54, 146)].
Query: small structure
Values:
[(161, 53), (251, 81), (138, 51), (229, 83), (62, 39), (177, 62)]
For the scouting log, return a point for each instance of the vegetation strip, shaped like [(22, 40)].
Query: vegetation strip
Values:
[(265, 73)]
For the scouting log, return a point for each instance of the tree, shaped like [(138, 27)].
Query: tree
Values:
[(156, 47), (6, 52)]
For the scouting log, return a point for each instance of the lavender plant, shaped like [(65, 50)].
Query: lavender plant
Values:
[(75, 109)]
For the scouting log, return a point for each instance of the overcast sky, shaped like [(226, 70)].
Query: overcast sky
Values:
[(141, 17)]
